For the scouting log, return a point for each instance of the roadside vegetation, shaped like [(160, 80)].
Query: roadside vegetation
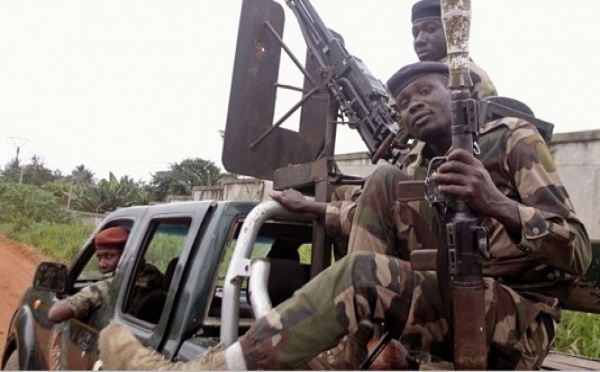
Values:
[(40, 216)]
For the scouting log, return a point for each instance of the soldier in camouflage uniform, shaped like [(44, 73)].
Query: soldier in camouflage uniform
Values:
[(538, 249), (109, 244)]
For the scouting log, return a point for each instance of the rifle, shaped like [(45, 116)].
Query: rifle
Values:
[(464, 242), (362, 98), (463, 233)]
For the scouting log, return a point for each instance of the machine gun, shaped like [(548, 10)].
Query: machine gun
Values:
[(362, 98)]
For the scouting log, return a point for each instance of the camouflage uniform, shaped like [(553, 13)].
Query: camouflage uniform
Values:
[(90, 297), (526, 284), (149, 279), (554, 244)]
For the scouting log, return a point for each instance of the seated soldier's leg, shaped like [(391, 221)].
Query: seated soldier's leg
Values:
[(360, 287), (373, 229), (523, 332)]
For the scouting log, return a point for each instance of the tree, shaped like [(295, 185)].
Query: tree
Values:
[(82, 176), (36, 173), (182, 177), (110, 194)]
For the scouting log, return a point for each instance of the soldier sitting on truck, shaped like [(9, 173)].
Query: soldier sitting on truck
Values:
[(109, 244), (538, 249)]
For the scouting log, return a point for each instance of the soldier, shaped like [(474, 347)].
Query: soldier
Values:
[(538, 248), (109, 244), (430, 44)]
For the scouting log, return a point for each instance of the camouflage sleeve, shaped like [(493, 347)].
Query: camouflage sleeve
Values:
[(89, 298), (339, 217), (482, 83), (551, 232)]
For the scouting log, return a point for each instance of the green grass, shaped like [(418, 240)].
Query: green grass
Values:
[(58, 241), (577, 334)]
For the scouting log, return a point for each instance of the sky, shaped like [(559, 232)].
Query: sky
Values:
[(132, 86)]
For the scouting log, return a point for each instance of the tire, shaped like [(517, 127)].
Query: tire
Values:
[(12, 364)]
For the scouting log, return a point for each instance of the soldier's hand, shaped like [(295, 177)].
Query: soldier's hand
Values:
[(291, 199), (464, 176)]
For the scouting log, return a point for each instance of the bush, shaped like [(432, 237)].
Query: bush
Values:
[(25, 204)]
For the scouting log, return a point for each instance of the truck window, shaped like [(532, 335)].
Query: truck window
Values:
[(277, 240), (154, 271)]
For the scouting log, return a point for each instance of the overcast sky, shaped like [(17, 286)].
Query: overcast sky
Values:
[(133, 86)]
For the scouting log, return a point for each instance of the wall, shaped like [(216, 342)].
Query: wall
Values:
[(577, 158), (576, 154)]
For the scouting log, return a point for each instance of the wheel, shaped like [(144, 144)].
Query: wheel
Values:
[(12, 364)]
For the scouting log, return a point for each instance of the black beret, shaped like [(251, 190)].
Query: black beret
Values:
[(408, 73), (113, 237), (424, 9)]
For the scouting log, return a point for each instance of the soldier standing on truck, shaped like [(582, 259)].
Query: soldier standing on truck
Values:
[(538, 249)]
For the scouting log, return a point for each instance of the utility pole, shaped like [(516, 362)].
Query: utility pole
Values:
[(19, 142)]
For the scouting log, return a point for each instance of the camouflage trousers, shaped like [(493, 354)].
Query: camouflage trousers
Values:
[(367, 287)]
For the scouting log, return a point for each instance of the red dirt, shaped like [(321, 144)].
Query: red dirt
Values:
[(17, 266)]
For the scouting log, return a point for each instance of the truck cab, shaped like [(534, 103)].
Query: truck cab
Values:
[(192, 245)]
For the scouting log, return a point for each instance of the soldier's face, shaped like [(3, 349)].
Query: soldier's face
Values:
[(425, 108), (108, 259), (429, 40)]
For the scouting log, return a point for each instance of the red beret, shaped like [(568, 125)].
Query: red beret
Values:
[(113, 237)]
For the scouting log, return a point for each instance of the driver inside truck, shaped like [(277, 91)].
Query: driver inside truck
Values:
[(109, 244)]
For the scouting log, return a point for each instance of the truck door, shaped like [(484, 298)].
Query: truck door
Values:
[(72, 344), (156, 269)]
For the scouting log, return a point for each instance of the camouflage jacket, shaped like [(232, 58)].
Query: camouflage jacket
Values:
[(553, 249), (90, 297), (149, 279)]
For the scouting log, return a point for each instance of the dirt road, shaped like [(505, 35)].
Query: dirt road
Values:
[(17, 266)]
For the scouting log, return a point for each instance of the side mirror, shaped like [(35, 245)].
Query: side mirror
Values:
[(51, 277)]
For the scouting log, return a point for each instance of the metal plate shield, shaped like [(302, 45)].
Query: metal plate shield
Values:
[(252, 101)]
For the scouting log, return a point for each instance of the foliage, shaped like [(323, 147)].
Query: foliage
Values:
[(577, 332), (35, 173), (25, 204), (108, 195), (182, 177)]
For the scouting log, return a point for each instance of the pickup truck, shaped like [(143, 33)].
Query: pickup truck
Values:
[(206, 295), (219, 275)]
